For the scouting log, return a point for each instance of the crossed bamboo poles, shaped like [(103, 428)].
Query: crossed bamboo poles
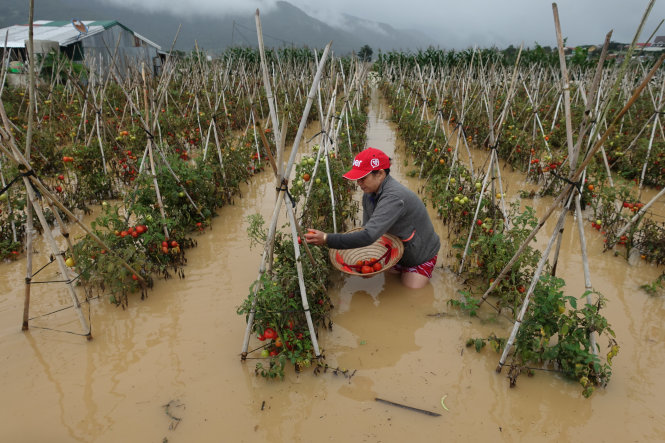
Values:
[(281, 197), (574, 177), (282, 174)]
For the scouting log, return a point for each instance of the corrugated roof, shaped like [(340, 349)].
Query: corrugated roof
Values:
[(61, 31)]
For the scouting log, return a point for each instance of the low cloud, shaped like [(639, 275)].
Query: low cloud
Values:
[(193, 8), (458, 25)]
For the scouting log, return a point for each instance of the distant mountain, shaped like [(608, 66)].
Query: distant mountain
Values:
[(284, 25)]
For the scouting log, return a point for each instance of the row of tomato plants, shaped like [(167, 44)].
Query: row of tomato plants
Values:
[(66, 147), (556, 329), (280, 324), (630, 153)]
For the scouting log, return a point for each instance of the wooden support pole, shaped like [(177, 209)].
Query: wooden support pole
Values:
[(273, 223), (29, 229)]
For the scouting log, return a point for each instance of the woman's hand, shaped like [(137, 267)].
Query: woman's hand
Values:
[(315, 237)]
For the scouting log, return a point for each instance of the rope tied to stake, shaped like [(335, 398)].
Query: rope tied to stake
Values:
[(319, 133), (495, 146), (149, 134), (28, 280), (284, 187), (15, 179), (577, 185)]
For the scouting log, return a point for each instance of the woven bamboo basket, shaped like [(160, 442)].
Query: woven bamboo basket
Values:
[(387, 250)]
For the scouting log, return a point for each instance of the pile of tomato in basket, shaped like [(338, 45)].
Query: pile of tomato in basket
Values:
[(367, 266)]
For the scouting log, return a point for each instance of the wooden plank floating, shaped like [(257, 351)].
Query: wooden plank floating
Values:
[(411, 408)]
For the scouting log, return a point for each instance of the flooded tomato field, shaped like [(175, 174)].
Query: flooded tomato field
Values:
[(168, 368)]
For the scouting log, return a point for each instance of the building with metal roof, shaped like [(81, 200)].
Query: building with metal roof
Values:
[(91, 42)]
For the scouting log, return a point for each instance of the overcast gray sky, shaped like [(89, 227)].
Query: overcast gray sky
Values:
[(463, 23)]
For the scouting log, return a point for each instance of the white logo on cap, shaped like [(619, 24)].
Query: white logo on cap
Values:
[(357, 163), (374, 162)]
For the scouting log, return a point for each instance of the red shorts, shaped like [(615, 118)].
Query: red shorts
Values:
[(422, 269)]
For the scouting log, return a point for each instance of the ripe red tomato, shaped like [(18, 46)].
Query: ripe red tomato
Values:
[(366, 269), (273, 353), (61, 177), (140, 229), (174, 244), (377, 267), (299, 240), (123, 234), (165, 244), (130, 229), (165, 249), (278, 342), (134, 277), (270, 333), (135, 234)]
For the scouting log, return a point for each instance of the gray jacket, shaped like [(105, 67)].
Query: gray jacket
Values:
[(397, 210)]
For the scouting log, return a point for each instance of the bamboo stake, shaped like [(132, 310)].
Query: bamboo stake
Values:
[(566, 85), (585, 265), (29, 229), (266, 79), (573, 150), (9, 203), (301, 281), (266, 146), (653, 133)]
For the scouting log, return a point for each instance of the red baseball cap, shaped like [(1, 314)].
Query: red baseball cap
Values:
[(370, 159)]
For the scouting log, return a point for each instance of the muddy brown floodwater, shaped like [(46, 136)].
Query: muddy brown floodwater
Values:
[(175, 355)]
